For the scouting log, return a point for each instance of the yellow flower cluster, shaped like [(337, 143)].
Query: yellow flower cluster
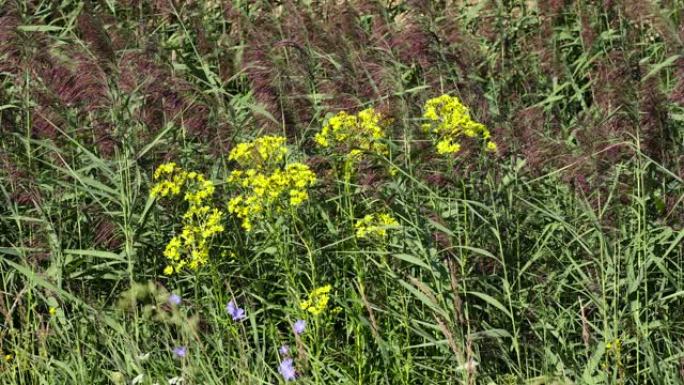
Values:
[(363, 132), (172, 180), (266, 184), (265, 152), (317, 301), (201, 222), (448, 119), (375, 225)]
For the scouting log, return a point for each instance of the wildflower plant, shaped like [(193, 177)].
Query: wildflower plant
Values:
[(353, 135), (287, 369), (265, 182), (375, 226), (447, 120), (315, 304), (200, 223), (180, 351), (175, 299), (236, 312), (299, 327), (363, 132)]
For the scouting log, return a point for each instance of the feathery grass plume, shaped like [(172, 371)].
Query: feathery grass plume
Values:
[(412, 41), (92, 31), (552, 7), (166, 98), (11, 43), (106, 234), (279, 66), (654, 121), (677, 93)]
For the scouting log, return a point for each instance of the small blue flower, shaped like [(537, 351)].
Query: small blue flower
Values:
[(299, 327), (287, 369), (175, 299), (284, 350), (180, 351), (237, 313)]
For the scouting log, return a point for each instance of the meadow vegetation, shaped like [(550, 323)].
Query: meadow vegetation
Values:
[(341, 192)]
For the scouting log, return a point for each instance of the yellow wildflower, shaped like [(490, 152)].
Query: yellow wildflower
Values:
[(201, 222), (375, 225), (447, 120), (317, 301), (267, 185), (446, 146), (363, 132), (264, 152), (172, 180)]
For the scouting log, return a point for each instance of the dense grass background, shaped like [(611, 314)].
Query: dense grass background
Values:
[(559, 260)]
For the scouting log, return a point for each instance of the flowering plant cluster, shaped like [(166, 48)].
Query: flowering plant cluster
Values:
[(317, 301), (201, 222), (447, 120), (364, 132), (263, 182), (375, 225)]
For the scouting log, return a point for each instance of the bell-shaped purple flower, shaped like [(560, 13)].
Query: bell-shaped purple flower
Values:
[(287, 369), (237, 313), (299, 327)]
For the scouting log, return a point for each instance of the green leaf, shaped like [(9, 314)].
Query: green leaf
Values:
[(492, 301), (658, 67)]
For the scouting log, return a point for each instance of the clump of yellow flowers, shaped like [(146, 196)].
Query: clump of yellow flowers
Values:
[(359, 133), (264, 153), (263, 182), (353, 135), (447, 120), (201, 222), (317, 301), (375, 225)]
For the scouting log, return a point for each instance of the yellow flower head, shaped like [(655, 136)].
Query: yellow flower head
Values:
[(360, 133), (267, 186), (201, 222), (262, 153), (317, 301), (170, 180), (447, 119), (375, 225)]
